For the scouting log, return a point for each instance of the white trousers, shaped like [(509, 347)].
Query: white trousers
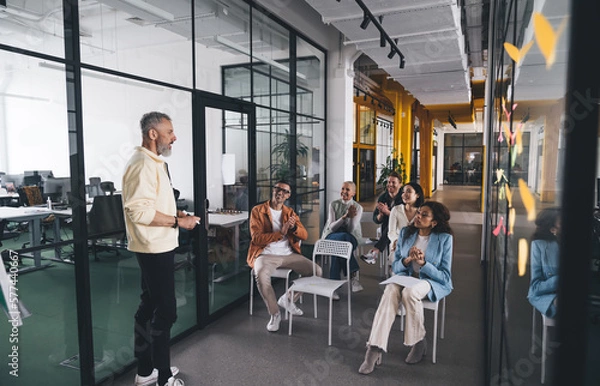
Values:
[(411, 298)]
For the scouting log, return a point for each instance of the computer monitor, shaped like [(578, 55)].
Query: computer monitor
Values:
[(58, 188), (32, 180), (44, 173)]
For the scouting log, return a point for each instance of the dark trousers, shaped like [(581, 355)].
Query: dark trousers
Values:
[(156, 313), (338, 263)]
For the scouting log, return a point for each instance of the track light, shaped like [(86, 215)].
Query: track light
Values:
[(382, 40), (392, 53), (366, 21), (451, 121)]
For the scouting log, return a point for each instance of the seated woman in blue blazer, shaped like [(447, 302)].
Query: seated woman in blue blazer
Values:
[(424, 251), (544, 262)]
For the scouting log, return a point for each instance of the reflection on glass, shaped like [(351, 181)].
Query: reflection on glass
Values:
[(228, 234)]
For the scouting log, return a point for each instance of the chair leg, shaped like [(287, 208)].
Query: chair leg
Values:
[(291, 316), (287, 286), (330, 318), (533, 331), (443, 318), (251, 291), (544, 338), (435, 321)]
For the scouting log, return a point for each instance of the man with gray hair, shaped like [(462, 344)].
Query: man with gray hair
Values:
[(152, 222)]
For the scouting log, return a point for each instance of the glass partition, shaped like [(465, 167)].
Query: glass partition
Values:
[(116, 36), (114, 271), (523, 209), (34, 25), (36, 242)]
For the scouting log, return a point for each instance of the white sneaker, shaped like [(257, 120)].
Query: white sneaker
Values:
[(289, 306), (174, 382), (150, 380), (369, 258), (335, 296), (356, 286), (273, 324)]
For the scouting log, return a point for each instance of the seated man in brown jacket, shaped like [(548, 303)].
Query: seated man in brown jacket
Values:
[(276, 232)]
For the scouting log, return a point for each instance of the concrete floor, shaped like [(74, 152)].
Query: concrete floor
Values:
[(238, 350)]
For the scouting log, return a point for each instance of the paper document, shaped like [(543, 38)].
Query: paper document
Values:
[(404, 281)]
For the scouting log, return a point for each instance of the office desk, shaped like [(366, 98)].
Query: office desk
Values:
[(6, 198), (33, 216), (58, 215), (229, 220)]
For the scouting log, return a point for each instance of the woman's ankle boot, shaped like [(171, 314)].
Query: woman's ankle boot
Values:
[(372, 358)]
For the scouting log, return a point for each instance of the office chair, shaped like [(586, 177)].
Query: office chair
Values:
[(32, 196), (94, 189), (106, 221), (546, 322), (107, 187)]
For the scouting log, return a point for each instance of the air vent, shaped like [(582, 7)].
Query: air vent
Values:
[(138, 21)]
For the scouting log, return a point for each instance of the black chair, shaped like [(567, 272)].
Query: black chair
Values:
[(106, 224), (107, 187)]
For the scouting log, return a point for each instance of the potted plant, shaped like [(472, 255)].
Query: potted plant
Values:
[(393, 164), (281, 157)]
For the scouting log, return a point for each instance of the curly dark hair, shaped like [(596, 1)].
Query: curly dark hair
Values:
[(441, 215), (544, 222)]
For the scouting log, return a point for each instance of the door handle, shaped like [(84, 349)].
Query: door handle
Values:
[(206, 205)]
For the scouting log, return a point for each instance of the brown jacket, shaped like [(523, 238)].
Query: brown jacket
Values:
[(261, 230)]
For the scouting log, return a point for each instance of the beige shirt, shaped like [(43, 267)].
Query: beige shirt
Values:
[(146, 190)]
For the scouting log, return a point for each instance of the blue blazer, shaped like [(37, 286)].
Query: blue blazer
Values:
[(544, 276), (438, 262)]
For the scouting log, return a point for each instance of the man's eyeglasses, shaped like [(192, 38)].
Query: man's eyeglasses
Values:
[(277, 189)]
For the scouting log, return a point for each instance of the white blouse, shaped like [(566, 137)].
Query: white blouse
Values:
[(396, 222)]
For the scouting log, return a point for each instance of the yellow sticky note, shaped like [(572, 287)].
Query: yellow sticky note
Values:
[(523, 256), (512, 215), (508, 195), (516, 54), (546, 37), (528, 199)]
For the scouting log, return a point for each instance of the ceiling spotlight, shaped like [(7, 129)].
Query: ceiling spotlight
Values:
[(365, 97), (357, 93), (382, 40), (366, 21), (392, 53), (451, 121)]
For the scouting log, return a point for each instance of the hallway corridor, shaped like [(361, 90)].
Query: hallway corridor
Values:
[(238, 350)]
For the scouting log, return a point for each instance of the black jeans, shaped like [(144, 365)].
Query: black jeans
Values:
[(156, 313)]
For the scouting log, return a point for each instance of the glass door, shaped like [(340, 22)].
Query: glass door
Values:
[(226, 182)]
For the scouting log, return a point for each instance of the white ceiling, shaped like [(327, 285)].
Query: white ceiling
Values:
[(429, 34), (444, 45)]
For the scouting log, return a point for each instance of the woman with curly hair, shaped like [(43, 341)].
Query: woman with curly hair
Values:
[(423, 251)]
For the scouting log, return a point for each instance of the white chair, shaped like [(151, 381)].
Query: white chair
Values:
[(433, 306), (546, 322), (322, 286), (282, 273)]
